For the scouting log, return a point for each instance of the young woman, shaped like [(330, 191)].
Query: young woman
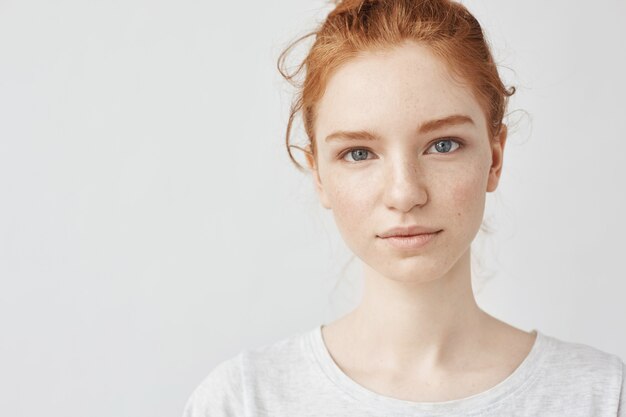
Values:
[(403, 107)]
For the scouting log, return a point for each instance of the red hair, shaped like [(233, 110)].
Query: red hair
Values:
[(355, 26)]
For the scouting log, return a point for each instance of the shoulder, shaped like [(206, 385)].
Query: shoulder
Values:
[(279, 355), (220, 393), (258, 372), (272, 369), (583, 360), (585, 371)]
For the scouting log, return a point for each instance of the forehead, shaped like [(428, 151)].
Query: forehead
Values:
[(392, 89)]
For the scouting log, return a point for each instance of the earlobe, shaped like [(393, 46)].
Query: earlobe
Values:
[(497, 158), (320, 191), (319, 188)]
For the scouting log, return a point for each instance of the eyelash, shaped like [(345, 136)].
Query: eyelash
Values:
[(457, 141)]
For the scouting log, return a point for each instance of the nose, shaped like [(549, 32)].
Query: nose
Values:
[(405, 183)]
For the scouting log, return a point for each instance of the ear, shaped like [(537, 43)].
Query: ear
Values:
[(319, 188), (497, 157)]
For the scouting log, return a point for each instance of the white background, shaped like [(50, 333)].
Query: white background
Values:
[(152, 225)]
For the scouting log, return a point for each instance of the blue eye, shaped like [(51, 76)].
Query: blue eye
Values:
[(443, 146), (359, 154), (446, 147)]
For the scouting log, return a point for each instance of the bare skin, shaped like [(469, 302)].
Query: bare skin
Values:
[(487, 363), (418, 333)]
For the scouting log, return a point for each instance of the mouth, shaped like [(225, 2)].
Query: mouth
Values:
[(410, 230), (408, 234), (410, 242)]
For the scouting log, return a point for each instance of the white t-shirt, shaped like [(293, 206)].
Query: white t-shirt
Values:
[(297, 377)]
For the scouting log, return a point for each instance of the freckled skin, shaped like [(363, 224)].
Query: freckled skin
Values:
[(418, 321), (391, 93)]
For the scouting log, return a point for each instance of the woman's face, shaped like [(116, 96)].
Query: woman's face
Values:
[(417, 172)]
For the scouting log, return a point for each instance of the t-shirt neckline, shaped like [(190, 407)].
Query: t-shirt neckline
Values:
[(515, 383)]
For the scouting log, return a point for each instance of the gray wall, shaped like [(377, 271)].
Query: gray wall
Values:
[(152, 225)]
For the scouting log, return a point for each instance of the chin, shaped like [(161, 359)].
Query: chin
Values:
[(414, 269)]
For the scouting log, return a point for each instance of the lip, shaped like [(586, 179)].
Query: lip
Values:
[(401, 231), (411, 242)]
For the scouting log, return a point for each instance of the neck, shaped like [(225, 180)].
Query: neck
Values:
[(423, 324)]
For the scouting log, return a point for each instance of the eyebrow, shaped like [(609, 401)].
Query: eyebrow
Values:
[(426, 127)]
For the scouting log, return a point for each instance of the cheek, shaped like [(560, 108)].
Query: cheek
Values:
[(352, 208), (467, 197)]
